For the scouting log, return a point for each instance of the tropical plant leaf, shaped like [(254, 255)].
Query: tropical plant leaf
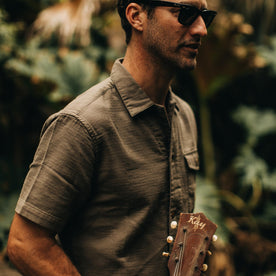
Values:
[(250, 166), (208, 202), (269, 53)]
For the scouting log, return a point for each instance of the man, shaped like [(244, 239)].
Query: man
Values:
[(117, 165)]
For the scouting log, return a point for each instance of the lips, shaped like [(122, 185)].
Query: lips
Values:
[(194, 46)]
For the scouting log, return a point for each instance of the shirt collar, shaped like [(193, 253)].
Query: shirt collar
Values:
[(133, 97)]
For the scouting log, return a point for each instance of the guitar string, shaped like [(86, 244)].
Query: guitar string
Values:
[(181, 254), (177, 265)]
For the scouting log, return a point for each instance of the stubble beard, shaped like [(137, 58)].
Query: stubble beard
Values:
[(173, 60), (187, 61), (169, 57)]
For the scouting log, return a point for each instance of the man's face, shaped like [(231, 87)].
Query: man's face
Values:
[(170, 43)]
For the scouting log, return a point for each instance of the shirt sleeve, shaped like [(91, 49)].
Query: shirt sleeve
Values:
[(60, 177)]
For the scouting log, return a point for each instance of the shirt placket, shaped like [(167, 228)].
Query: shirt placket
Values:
[(178, 181)]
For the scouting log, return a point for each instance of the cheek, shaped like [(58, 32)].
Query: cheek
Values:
[(175, 35), (168, 35)]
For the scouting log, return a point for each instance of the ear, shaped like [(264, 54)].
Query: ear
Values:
[(136, 16)]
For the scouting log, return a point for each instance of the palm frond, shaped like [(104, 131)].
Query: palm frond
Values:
[(67, 19)]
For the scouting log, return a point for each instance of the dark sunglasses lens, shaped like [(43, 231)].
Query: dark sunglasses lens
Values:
[(188, 15), (208, 17)]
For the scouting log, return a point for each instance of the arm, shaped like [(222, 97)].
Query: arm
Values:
[(34, 250)]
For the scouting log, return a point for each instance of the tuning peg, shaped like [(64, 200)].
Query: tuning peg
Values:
[(204, 267), (165, 254), (209, 253), (169, 239), (174, 224), (215, 238)]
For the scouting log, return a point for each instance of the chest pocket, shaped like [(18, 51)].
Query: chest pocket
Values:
[(192, 160), (188, 156)]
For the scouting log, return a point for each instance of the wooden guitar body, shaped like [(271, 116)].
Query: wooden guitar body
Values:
[(192, 241)]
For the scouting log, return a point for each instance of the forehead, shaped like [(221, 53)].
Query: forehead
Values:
[(201, 4)]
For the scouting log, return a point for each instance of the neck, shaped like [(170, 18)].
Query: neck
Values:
[(151, 76)]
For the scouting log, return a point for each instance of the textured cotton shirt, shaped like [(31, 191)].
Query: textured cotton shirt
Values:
[(111, 171)]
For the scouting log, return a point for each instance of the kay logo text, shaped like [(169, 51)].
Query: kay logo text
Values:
[(195, 221)]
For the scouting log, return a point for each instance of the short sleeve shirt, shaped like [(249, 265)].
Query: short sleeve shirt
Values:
[(111, 171)]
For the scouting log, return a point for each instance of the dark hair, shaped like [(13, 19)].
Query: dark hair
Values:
[(121, 7)]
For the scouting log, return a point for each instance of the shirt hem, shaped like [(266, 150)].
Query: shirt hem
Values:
[(38, 216)]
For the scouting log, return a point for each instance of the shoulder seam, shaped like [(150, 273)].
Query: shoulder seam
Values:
[(90, 130)]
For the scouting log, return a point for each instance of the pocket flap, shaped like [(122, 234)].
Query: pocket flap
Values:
[(192, 160)]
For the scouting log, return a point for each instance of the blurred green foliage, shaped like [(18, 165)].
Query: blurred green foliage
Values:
[(232, 94), (268, 52)]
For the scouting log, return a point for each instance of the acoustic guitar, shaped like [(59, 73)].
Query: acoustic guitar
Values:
[(190, 246)]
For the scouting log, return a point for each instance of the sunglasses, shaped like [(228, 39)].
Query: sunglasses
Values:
[(188, 13)]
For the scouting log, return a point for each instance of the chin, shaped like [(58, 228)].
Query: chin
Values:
[(188, 65), (182, 64)]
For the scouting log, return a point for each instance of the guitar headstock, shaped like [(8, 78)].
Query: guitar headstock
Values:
[(194, 235)]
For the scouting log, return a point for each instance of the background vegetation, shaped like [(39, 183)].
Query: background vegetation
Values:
[(50, 51)]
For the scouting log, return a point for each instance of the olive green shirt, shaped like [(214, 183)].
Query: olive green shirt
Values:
[(111, 172)]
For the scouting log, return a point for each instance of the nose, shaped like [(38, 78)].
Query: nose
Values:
[(198, 27)]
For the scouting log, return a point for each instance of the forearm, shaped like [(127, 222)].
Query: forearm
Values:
[(35, 252), (50, 261)]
